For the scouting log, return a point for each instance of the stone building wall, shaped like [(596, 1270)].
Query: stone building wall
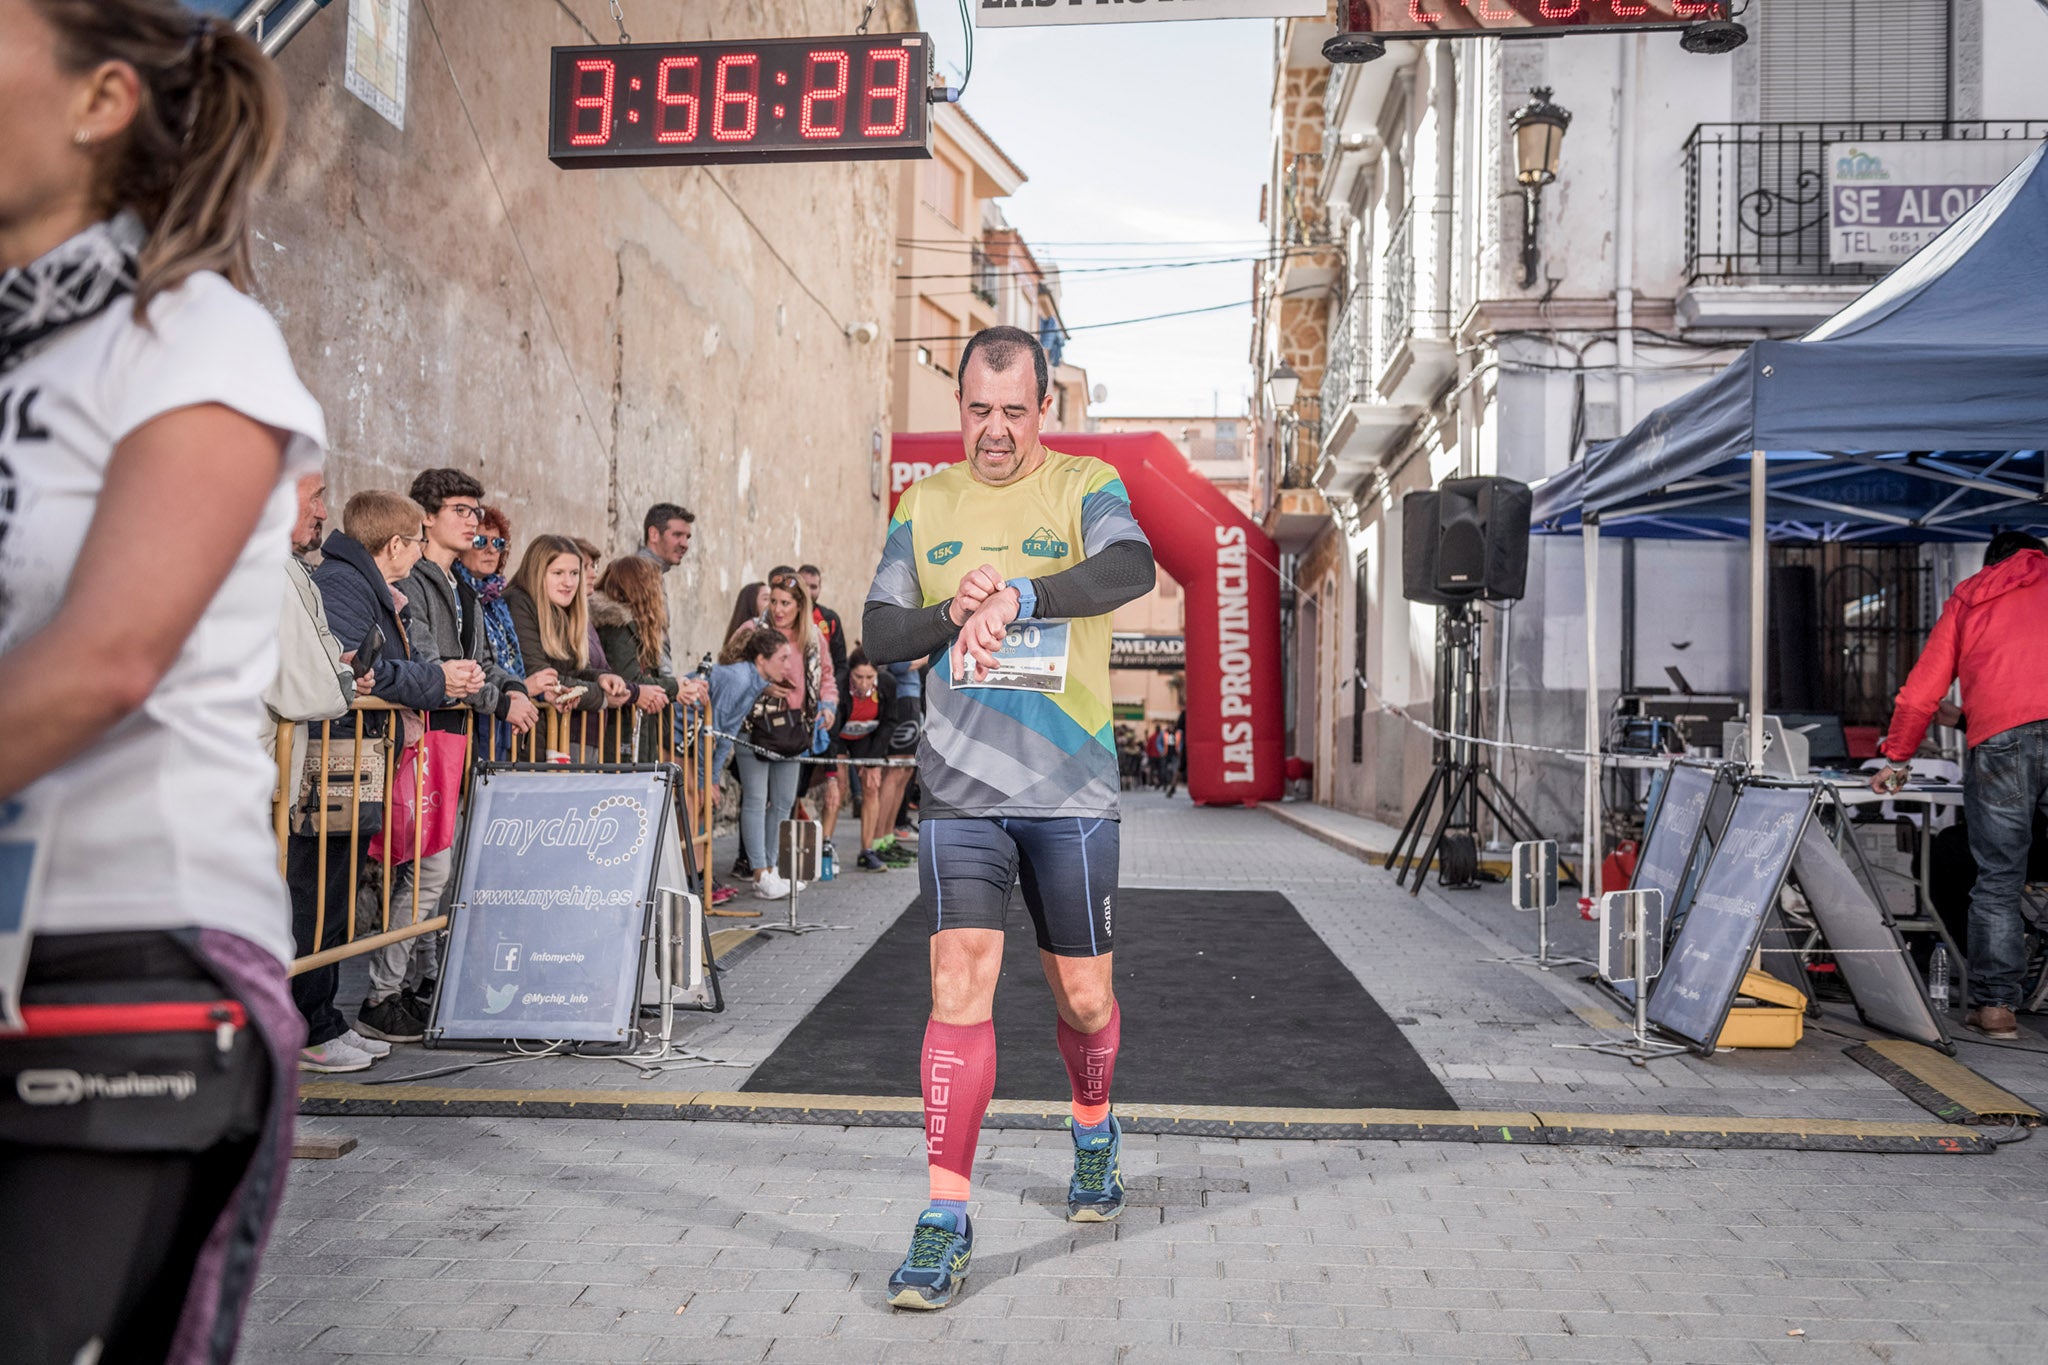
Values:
[(588, 342)]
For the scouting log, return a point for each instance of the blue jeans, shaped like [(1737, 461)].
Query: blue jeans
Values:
[(2007, 781), (767, 796)]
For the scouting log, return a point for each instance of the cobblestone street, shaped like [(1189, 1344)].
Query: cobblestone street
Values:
[(473, 1238)]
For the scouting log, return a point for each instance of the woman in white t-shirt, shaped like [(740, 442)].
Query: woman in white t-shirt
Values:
[(151, 431)]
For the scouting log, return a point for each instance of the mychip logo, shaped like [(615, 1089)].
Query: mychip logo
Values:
[(1043, 544), (55, 1087), (939, 554)]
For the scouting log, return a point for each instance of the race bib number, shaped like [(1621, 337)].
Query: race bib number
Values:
[(1032, 658)]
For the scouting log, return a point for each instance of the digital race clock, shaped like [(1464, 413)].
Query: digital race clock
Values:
[(777, 99), (1522, 18)]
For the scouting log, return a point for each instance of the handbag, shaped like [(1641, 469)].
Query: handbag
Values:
[(439, 791), (778, 727), (352, 785)]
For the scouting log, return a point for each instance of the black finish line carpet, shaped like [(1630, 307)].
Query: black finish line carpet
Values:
[(1228, 998)]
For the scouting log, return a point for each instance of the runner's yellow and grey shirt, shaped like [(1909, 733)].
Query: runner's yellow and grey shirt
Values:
[(1014, 752)]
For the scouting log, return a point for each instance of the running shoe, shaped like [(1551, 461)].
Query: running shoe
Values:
[(368, 1045), (1096, 1193), (939, 1250), (870, 861), (770, 887), (334, 1055), (721, 893)]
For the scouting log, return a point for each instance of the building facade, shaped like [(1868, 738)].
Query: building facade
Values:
[(588, 342), (1439, 328), (961, 267)]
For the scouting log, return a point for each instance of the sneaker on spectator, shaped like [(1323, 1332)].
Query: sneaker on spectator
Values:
[(334, 1055), (770, 887), (420, 1007), (870, 861), (424, 993), (722, 893), (390, 1020), (896, 855), (370, 1045)]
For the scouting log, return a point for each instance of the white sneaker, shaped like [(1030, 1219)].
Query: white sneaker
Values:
[(334, 1055), (770, 887), (375, 1047)]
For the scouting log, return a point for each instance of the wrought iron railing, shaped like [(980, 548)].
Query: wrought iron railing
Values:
[(1301, 445), (1397, 282), (1756, 193), (1349, 375)]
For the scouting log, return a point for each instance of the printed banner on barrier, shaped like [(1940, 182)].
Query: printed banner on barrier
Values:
[(1886, 200), (551, 906)]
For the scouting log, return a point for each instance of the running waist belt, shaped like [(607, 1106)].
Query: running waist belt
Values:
[(129, 1075)]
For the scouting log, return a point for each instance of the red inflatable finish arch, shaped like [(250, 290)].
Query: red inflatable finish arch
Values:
[(1229, 571)]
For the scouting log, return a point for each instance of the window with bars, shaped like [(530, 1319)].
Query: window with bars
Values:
[(1871, 616)]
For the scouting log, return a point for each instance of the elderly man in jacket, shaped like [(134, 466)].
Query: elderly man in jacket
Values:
[(1989, 636)]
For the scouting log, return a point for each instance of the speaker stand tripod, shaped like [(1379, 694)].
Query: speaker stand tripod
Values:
[(1462, 779)]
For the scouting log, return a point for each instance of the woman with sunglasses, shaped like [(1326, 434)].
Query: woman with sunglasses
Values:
[(481, 569)]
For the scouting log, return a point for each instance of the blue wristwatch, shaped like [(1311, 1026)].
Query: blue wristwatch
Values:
[(1027, 598)]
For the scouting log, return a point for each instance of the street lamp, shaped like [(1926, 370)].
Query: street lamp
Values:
[(1283, 386), (1539, 127)]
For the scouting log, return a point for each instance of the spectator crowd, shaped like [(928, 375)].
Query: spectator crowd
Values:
[(422, 628)]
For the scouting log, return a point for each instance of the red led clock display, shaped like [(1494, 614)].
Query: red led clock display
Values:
[(1513, 18), (778, 99)]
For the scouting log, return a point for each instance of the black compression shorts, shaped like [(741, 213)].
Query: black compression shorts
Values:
[(1067, 866)]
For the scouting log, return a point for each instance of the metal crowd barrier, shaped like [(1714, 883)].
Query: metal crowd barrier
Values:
[(313, 761)]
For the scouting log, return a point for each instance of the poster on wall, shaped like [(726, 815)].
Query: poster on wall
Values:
[(1886, 200), (374, 68)]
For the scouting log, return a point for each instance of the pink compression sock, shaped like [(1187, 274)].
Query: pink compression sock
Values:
[(1091, 1063), (959, 1074)]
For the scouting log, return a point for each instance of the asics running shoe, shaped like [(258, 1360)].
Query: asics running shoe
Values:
[(939, 1250), (1096, 1193)]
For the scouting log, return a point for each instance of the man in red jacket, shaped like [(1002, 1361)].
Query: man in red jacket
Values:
[(1990, 636)]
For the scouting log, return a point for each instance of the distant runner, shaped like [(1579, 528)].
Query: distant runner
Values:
[(1018, 766)]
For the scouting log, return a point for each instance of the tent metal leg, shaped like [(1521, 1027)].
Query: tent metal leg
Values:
[(1759, 601)]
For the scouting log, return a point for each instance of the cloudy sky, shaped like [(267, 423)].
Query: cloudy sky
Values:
[(1145, 145)]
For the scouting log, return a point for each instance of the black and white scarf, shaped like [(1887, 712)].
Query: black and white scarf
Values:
[(76, 281)]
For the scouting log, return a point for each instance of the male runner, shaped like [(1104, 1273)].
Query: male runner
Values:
[(1018, 766)]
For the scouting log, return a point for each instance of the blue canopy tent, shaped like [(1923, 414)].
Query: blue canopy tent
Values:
[(1919, 413)]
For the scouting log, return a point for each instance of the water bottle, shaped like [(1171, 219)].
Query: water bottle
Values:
[(828, 870), (1937, 979)]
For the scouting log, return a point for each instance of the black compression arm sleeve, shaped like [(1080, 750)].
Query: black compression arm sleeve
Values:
[(1121, 571), (891, 634)]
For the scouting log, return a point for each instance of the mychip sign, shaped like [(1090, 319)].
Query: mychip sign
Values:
[(1886, 200), (553, 902)]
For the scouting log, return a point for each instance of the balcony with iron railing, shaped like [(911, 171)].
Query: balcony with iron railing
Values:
[(1757, 250), (1359, 424)]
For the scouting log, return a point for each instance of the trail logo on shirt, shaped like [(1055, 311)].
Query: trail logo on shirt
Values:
[(939, 554), (1043, 544)]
